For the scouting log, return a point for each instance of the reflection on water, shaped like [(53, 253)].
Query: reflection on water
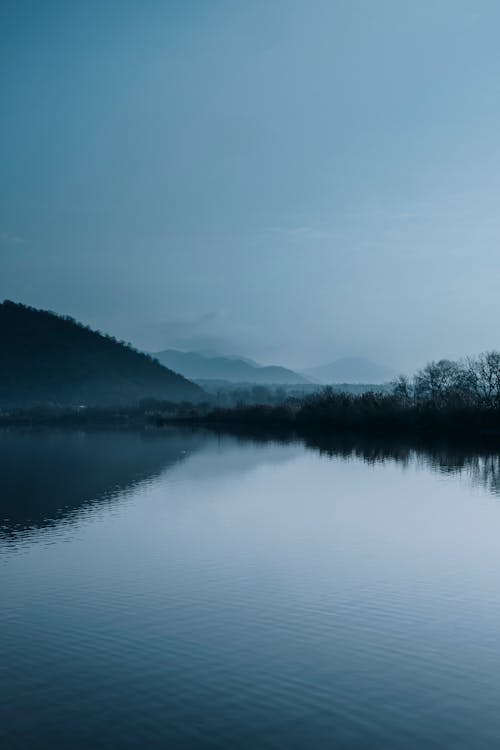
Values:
[(482, 466), (46, 475), (190, 590)]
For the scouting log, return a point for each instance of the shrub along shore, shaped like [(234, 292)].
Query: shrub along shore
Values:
[(457, 399), (450, 399)]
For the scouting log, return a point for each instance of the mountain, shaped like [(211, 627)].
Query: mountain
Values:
[(48, 358), (351, 370), (203, 366)]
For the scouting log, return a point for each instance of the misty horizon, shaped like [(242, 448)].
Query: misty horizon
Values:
[(295, 183)]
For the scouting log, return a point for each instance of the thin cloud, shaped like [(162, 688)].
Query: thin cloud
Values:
[(305, 232), (6, 238)]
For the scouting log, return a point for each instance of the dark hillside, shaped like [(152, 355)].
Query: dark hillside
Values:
[(48, 358)]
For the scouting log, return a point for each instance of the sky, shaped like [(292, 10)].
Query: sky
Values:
[(293, 181)]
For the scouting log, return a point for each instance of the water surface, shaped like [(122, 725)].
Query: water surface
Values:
[(182, 590)]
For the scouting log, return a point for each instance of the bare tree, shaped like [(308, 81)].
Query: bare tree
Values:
[(485, 372), (403, 390), (437, 381)]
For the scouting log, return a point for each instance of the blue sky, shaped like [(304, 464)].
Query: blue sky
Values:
[(293, 181)]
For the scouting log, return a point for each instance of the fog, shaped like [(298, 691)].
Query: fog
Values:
[(290, 181)]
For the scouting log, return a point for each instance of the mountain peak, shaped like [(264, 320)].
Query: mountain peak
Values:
[(195, 365)]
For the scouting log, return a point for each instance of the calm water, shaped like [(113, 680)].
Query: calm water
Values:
[(187, 591)]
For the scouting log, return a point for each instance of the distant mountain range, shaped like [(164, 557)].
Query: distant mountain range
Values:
[(48, 358), (211, 366), (350, 370), (52, 359)]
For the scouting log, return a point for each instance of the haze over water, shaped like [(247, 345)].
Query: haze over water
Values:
[(191, 591)]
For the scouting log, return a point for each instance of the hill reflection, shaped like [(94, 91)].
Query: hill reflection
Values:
[(46, 477)]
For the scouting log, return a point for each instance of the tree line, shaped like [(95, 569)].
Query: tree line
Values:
[(460, 399), (473, 382)]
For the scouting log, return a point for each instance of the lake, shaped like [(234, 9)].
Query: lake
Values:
[(174, 589)]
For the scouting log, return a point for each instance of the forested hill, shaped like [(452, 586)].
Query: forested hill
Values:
[(48, 358)]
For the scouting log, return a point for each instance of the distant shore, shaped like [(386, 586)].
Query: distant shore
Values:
[(454, 424), (373, 415)]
